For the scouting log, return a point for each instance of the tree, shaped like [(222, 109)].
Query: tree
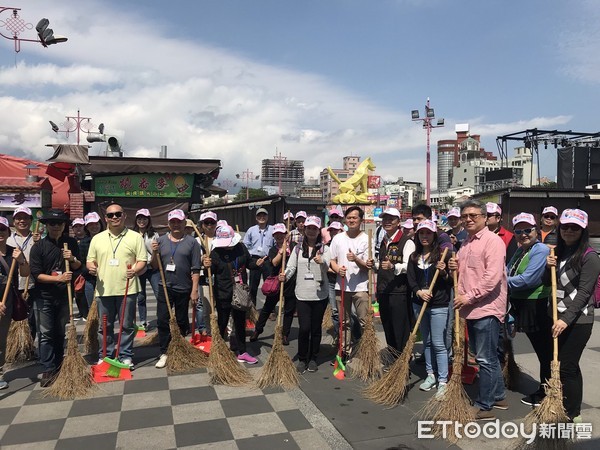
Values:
[(450, 201), (252, 193)]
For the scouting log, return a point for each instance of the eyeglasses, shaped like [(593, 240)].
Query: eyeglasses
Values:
[(116, 214), (470, 216), (549, 216), (524, 231), (54, 223), (570, 226)]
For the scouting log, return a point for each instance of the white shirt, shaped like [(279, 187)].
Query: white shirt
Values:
[(357, 278)]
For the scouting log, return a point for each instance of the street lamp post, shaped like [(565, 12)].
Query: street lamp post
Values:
[(428, 125), (248, 176), (15, 25), (75, 123)]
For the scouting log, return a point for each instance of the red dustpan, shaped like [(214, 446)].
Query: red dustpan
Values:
[(198, 340)]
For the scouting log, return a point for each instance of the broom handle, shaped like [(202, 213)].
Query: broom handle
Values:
[(342, 337), (456, 312), (430, 289), (281, 283), (104, 325), (122, 318), (11, 272), (210, 286), (69, 287), (164, 283), (370, 282), (26, 291), (554, 308)]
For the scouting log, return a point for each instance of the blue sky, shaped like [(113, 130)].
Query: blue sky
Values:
[(317, 80)]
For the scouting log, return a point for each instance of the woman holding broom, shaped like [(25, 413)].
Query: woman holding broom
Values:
[(143, 225), (529, 296), (8, 254), (274, 262), (92, 226), (421, 266), (578, 267), (309, 263)]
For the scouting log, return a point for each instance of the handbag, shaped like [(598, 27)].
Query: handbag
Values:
[(241, 300), (79, 284), (271, 285)]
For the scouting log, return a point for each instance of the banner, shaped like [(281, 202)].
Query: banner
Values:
[(12, 200), (374, 182), (145, 185)]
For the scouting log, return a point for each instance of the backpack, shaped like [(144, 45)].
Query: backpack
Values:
[(597, 289)]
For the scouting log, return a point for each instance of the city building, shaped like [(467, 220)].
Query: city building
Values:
[(289, 174), (403, 194)]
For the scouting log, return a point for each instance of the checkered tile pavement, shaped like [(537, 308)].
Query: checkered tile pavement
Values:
[(153, 410)]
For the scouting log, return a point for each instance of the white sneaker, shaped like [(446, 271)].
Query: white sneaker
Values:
[(128, 362), (162, 362), (100, 361)]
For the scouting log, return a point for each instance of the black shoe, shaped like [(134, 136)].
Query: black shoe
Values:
[(47, 378), (534, 399), (312, 366), (254, 336), (285, 340), (301, 367)]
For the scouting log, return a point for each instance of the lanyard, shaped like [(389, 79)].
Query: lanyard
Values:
[(25, 242), (114, 249), (173, 249)]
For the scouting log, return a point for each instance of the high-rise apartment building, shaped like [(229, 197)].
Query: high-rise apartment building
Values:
[(288, 173)]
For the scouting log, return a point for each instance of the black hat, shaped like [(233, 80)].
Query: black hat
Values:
[(55, 214)]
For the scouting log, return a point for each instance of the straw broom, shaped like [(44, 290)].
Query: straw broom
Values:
[(551, 409), (75, 378), (222, 363), (455, 406), (90, 332), (182, 356), (19, 345), (279, 369), (511, 371), (327, 324), (368, 362), (390, 389)]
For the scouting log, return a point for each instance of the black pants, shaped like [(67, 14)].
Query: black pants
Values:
[(224, 310), (82, 305), (310, 320), (180, 302), (288, 313), (541, 341), (397, 318), (254, 278)]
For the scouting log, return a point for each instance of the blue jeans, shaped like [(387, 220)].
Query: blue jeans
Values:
[(51, 317), (484, 334), (89, 292), (153, 276), (335, 318), (111, 306), (433, 331), (203, 310)]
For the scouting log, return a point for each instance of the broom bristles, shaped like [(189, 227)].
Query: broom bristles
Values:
[(74, 380), (90, 332), (550, 411), (252, 314), (182, 356), (279, 369), (367, 361), (327, 324), (510, 370), (223, 366), (391, 389), (149, 339), (19, 345)]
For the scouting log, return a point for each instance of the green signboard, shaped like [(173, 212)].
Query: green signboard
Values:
[(145, 185)]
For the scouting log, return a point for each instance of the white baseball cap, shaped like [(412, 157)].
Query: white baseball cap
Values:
[(77, 222), (92, 217), (493, 208), (550, 209), (524, 217), (427, 224), (576, 216), (22, 209), (176, 214), (142, 212), (208, 215), (454, 212), (279, 228), (391, 212), (313, 221), (301, 214)]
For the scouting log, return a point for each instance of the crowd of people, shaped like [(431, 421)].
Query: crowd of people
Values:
[(503, 284)]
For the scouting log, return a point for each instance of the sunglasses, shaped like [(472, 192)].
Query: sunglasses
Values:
[(116, 214), (524, 231), (549, 216), (2, 229), (570, 226), (54, 223), (209, 222)]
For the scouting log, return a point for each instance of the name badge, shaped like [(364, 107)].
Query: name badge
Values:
[(170, 267), (309, 276), (113, 262), (560, 293)]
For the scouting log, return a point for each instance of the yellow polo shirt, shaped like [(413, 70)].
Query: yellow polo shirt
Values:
[(112, 254)]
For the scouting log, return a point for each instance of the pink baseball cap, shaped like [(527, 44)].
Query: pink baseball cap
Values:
[(454, 212), (92, 217), (493, 208), (176, 214), (524, 217), (4, 221), (223, 236), (427, 224), (550, 209), (222, 223), (312, 221), (288, 215), (301, 214), (22, 209), (78, 222), (279, 228), (335, 212), (408, 224), (208, 215), (142, 212), (576, 216), (335, 226)]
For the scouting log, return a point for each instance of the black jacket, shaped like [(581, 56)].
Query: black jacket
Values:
[(387, 282), (224, 261), (46, 258)]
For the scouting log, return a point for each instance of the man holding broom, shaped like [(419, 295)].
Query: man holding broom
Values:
[(481, 298), (50, 296), (116, 255), (180, 256)]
